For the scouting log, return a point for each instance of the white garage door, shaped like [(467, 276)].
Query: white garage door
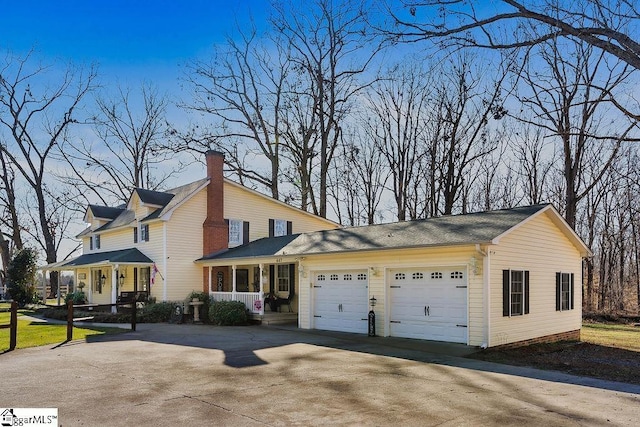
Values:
[(429, 304), (340, 301)]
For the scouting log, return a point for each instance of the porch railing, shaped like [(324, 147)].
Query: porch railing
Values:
[(247, 298)]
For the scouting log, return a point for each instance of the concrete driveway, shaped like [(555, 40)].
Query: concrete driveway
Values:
[(169, 375)]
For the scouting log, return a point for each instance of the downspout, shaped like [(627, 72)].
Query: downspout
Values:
[(165, 276), (486, 276)]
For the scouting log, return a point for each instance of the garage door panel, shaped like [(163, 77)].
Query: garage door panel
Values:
[(429, 304), (341, 301)]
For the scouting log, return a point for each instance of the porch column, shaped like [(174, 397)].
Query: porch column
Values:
[(233, 282), (114, 289), (262, 289), (90, 290), (210, 280), (59, 290)]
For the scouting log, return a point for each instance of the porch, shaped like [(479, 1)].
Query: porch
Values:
[(266, 290)]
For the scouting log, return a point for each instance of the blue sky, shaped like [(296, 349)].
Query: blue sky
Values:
[(129, 40)]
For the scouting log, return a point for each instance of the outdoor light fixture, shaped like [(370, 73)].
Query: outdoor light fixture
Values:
[(103, 279), (121, 279), (373, 301)]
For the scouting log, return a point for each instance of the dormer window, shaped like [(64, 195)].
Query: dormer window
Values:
[(279, 227)]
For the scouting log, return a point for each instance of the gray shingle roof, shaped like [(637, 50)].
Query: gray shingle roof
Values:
[(124, 256), (159, 198), (168, 200), (107, 212), (178, 195), (481, 227)]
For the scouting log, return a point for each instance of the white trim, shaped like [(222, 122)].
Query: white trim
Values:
[(164, 262), (559, 222), (167, 215), (486, 265)]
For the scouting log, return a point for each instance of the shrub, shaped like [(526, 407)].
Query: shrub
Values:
[(156, 313), (77, 297), (228, 313), (21, 274)]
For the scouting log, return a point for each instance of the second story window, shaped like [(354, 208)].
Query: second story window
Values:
[(94, 242), (235, 232), (279, 227), (144, 233)]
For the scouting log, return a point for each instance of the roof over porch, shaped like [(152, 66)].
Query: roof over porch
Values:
[(123, 256)]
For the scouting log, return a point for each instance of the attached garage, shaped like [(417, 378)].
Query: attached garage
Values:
[(454, 278), (429, 304), (340, 301)]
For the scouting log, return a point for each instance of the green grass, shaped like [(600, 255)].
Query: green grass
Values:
[(612, 335), (33, 334)]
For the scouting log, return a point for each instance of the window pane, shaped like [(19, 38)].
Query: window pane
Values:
[(235, 232), (283, 278), (279, 227), (564, 289), (517, 293)]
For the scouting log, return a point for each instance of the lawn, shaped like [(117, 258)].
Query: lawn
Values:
[(606, 351), (32, 334), (612, 335)]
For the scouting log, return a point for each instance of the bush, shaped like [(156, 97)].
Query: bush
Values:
[(228, 313), (21, 274), (77, 297), (156, 313)]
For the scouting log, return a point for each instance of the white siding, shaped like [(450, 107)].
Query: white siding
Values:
[(541, 248), (381, 261), (245, 205), (184, 246)]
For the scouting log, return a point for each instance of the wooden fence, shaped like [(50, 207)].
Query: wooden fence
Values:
[(12, 326), (71, 308)]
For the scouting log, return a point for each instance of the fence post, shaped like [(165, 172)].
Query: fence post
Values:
[(70, 320), (134, 310), (13, 331)]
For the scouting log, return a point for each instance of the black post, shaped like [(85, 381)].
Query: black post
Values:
[(372, 323), (13, 331), (134, 310), (70, 320)]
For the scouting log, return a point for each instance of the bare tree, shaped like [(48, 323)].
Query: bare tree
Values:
[(467, 104), (569, 100), (130, 150), (242, 89), (330, 48), (399, 105), (605, 24), (37, 108)]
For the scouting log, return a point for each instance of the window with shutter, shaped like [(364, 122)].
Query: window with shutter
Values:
[(515, 292)]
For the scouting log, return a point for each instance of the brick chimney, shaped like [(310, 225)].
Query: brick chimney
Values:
[(215, 230)]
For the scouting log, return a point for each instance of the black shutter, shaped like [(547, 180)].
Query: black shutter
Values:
[(571, 291), (272, 279), (245, 232), (146, 232), (526, 292), (289, 227), (135, 234), (292, 280), (506, 274), (558, 291), (271, 227), (91, 243)]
